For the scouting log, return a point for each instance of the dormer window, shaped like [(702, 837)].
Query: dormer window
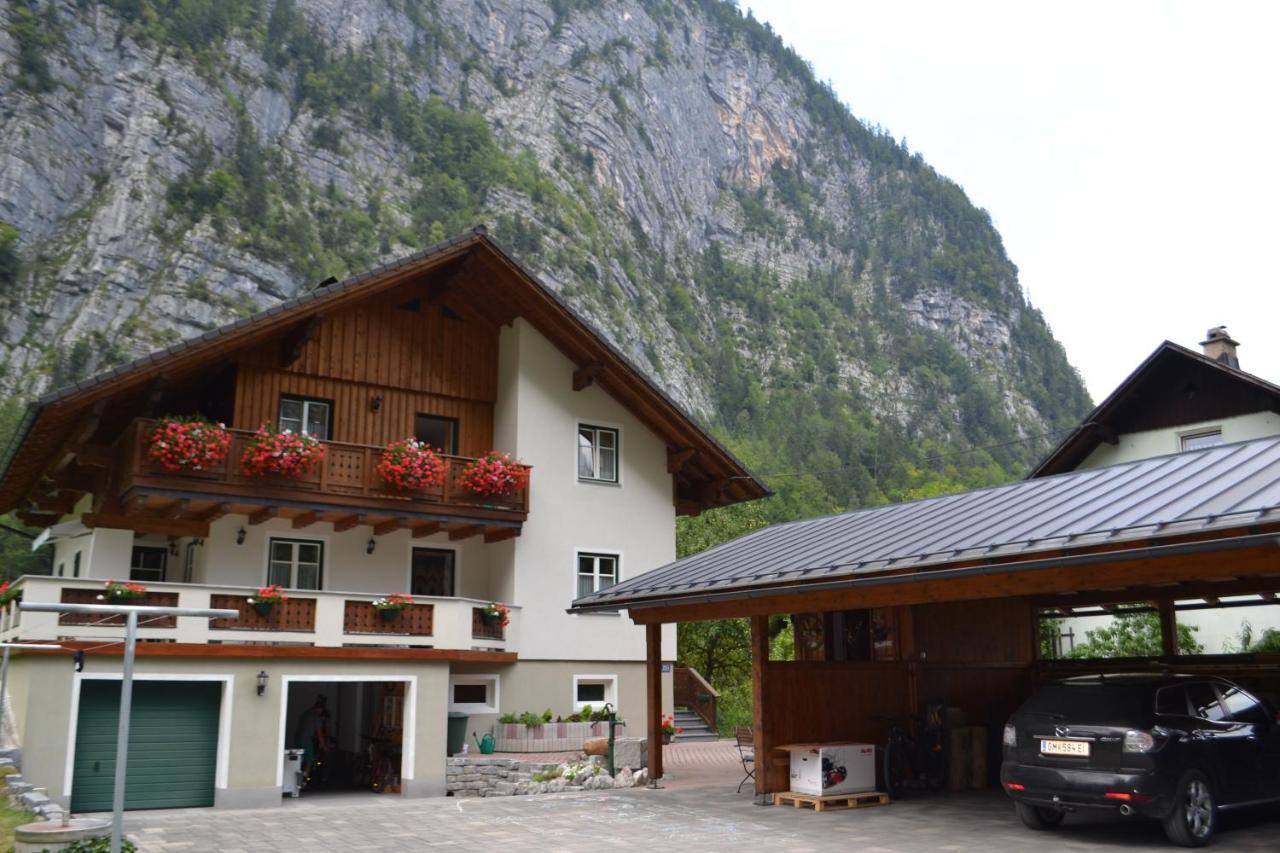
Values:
[(1201, 440), (306, 416)]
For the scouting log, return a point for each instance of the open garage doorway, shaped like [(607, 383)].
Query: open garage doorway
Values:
[(351, 736)]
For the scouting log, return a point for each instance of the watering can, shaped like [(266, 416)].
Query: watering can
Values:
[(486, 744)]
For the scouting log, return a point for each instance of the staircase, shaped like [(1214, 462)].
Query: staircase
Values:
[(694, 727)]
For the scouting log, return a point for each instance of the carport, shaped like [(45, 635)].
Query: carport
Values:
[(942, 598)]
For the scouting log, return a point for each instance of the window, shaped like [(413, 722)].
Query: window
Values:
[(440, 433), (75, 565), (597, 454), (431, 572), (310, 417), (1204, 702), (147, 563), (1201, 440), (296, 563), (1171, 702), (1244, 708), (473, 694), (595, 690), (596, 572)]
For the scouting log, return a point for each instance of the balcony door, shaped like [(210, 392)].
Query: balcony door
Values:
[(432, 572), (440, 433)]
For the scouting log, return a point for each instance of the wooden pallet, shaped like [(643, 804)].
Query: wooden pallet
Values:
[(860, 800)]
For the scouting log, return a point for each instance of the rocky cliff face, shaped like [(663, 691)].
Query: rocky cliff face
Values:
[(169, 165)]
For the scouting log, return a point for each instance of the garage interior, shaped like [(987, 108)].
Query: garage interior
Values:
[(362, 723)]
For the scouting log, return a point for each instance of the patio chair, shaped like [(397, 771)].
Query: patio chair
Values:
[(747, 752)]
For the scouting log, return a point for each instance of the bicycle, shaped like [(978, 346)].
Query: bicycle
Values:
[(912, 761), (379, 769)]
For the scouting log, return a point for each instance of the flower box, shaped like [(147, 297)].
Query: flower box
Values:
[(549, 737)]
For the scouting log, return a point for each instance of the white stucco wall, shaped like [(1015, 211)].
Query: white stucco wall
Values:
[(1161, 442), (537, 418)]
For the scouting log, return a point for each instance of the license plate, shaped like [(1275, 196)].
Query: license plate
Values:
[(1078, 748)]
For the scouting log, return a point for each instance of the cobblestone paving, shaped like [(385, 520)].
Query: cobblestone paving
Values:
[(695, 812)]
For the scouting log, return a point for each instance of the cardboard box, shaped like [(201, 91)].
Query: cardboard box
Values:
[(823, 769)]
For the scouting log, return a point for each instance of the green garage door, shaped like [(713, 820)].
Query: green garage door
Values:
[(173, 745)]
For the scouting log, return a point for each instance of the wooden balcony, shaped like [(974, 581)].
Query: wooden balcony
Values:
[(345, 489), (305, 618)]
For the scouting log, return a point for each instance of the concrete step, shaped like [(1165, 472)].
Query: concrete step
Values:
[(685, 737)]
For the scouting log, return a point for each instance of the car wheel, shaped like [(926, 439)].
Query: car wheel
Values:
[(1195, 813), (1039, 817)]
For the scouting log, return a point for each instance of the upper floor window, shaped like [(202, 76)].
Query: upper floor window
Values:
[(1201, 440), (309, 417), (440, 433), (596, 572), (296, 563), (597, 453), (147, 563)]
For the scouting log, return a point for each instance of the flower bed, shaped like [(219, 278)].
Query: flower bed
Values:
[(549, 737)]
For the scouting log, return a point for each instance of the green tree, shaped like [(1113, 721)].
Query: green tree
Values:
[(1134, 635)]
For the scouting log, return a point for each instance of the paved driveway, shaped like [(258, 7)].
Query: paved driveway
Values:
[(696, 810)]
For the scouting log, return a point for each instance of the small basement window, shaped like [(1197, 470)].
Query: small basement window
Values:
[(473, 694), (595, 690)]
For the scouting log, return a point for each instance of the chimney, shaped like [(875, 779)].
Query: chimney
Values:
[(1219, 346)]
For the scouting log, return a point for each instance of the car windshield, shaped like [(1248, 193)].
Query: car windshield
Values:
[(1095, 703)]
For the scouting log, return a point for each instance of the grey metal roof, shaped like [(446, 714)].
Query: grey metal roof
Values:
[(1233, 485)]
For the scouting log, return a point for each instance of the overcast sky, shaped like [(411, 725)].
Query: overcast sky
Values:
[(1127, 152)]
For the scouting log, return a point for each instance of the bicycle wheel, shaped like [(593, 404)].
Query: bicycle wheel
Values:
[(895, 767)]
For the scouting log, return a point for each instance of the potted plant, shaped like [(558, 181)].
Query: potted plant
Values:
[(669, 729), (411, 465), (390, 607), (494, 475), (8, 596), (495, 613), (283, 453), (188, 444), (266, 598), (121, 592)]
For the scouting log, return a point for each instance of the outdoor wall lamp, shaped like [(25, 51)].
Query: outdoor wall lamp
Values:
[(375, 403), (373, 543), (240, 534), (262, 681)]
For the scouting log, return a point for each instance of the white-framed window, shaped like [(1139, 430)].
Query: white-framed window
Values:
[(295, 563), (473, 694), (595, 690), (597, 453), (1202, 439), (596, 572), (147, 563), (309, 417)]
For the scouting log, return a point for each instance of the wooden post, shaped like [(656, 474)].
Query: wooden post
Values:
[(1168, 628), (653, 677), (759, 660)]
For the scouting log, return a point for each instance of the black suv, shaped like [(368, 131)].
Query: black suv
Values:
[(1172, 747)]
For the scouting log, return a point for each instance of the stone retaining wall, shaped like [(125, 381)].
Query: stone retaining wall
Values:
[(494, 776)]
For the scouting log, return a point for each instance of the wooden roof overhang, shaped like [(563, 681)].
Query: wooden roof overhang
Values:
[(1194, 565), (1173, 386), (52, 448)]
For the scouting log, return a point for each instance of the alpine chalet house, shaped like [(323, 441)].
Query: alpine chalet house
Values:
[(444, 428)]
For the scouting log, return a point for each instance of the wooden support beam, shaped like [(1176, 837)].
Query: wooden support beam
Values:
[(712, 491), (1168, 627), (292, 344), (678, 459), (175, 509), (759, 689), (36, 519), (391, 525), (586, 374), (306, 519), (265, 513), (95, 456), (347, 522), (653, 683), (214, 512), (464, 531), (76, 479), (137, 503), (61, 502), (155, 393), (500, 534), (148, 524), (1106, 433), (429, 528)]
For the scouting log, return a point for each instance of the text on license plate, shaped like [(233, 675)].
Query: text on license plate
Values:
[(1065, 747)]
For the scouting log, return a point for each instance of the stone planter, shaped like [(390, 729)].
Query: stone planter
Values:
[(549, 737)]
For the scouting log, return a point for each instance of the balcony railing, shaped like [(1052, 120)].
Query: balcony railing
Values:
[(305, 618), (347, 477)]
